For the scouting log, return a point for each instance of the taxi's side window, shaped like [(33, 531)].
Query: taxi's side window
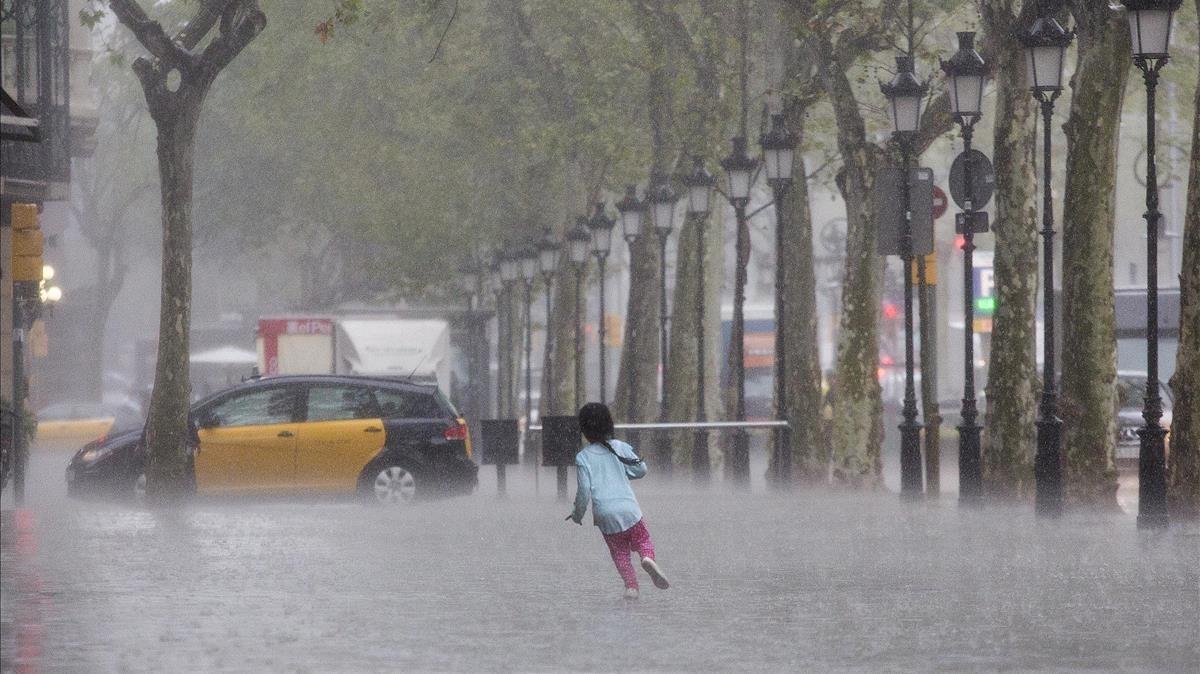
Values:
[(400, 404), (272, 406), (336, 403)]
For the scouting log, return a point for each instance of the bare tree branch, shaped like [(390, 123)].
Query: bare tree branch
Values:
[(241, 21), (150, 34), (195, 30)]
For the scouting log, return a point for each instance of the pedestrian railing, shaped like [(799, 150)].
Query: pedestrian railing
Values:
[(685, 425)]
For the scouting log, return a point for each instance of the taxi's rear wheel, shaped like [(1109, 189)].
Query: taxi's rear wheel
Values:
[(390, 484)]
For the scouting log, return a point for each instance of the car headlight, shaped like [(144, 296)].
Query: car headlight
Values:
[(95, 454)]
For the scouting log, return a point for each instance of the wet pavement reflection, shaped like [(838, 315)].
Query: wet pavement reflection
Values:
[(807, 581)]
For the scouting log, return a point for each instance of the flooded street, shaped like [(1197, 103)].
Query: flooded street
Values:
[(813, 581)]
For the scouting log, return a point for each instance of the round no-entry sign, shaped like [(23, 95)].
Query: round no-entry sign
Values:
[(940, 203)]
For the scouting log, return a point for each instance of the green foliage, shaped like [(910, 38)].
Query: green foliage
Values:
[(363, 139), (90, 18)]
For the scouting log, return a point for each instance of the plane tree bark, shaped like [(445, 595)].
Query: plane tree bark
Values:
[(1013, 383), (1089, 210), (798, 332), (1183, 486), (701, 45), (175, 80), (641, 340)]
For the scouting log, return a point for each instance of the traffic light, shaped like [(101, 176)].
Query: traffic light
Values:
[(27, 244)]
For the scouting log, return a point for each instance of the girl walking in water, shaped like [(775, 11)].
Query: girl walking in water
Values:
[(604, 468)]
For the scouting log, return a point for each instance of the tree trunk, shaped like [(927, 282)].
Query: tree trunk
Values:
[(175, 108), (167, 419), (1089, 354), (1184, 461), (698, 134), (640, 352), (857, 405), (1013, 383), (639, 358), (803, 365), (685, 328)]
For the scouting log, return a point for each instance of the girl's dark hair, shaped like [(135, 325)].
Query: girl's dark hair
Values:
[(595, 422)]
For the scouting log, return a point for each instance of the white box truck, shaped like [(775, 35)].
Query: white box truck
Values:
[(377, 345)]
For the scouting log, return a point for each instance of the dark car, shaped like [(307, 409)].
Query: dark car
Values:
[(390, 440), (1131, 389)]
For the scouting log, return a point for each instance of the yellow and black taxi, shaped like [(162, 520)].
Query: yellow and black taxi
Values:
[(389, 440)]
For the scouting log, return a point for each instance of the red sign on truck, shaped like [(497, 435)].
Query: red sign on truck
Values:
[(272, 330)]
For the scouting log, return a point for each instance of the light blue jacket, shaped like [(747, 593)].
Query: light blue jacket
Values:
[(604, 480)]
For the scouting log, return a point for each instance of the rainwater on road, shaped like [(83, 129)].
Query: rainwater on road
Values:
[(812, 580)]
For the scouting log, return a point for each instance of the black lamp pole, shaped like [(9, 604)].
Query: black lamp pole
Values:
[(580, 375), (528, 272), (1150, 30), (700, 183), (601, 226), (1045, 45), (662, 207), (739, 169), (966, 71), (904, 94), (499, 291), (578, 241), (779, 145), (548, 254), (910, 428), (469, 278), (633, 212)]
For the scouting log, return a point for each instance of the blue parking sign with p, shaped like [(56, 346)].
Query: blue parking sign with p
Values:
[(985, 290)]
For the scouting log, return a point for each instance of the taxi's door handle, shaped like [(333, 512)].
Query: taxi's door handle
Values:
[(286, 434), (372, 429)]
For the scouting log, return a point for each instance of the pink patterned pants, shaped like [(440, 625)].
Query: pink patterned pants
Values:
[(634, 539)]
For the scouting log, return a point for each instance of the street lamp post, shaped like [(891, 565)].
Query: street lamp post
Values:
[(507, 271), (496, 283), (699, 185), (548, 253), (469, 278), (662, 209), (779, 148), (966, 71), (578, 242), (632, 215), (528, 260), (1150, 30), (601, 226), (739, 170), (510, 272), (1045, 45), (905, 94)]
